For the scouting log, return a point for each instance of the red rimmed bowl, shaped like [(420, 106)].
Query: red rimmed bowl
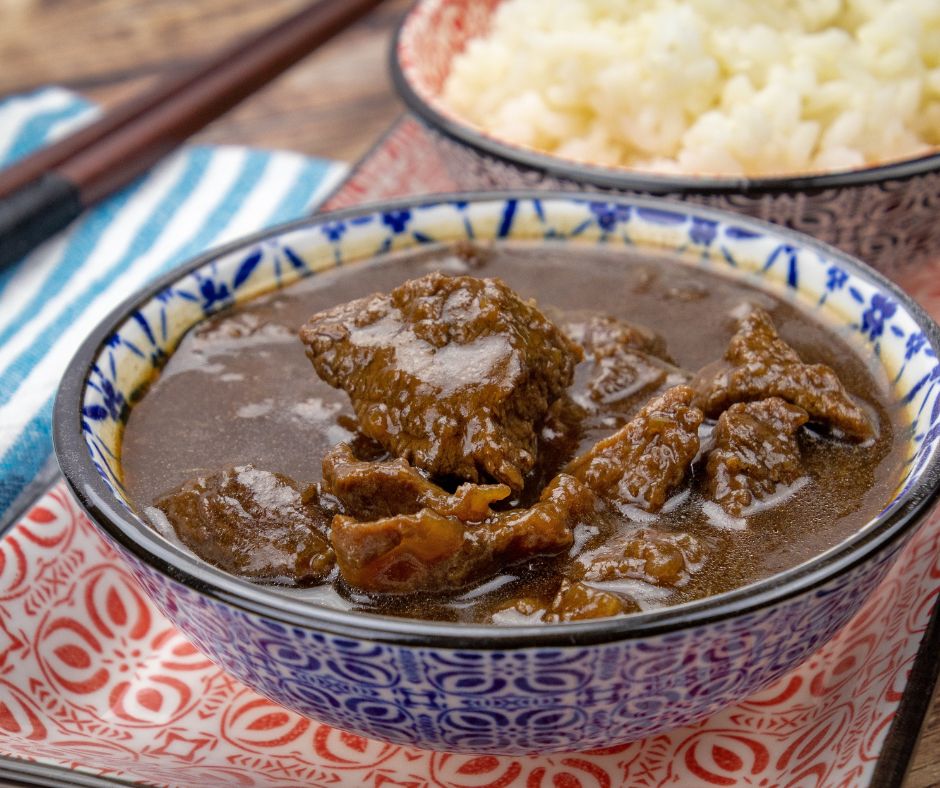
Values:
[(885, 215)]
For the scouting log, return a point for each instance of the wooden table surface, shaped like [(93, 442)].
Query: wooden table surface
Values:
[(334, 104)]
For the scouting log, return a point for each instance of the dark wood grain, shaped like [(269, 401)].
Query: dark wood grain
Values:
[(333, 104), (226, 78), (925, 766)]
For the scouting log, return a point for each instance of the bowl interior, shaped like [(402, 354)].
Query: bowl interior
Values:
[(886, 325)]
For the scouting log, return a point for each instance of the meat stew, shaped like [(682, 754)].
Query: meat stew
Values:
[(505, 435)]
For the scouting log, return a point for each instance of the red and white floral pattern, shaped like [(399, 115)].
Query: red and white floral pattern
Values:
[(403, 163), (93, 677)]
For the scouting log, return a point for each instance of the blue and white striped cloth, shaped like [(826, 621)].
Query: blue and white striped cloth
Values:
[(197, 198)]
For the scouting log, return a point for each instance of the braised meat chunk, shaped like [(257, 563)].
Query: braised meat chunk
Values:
[(659, 557), (428, 551), (623, 362), (240, 326), (602, 336), (578, 602), (451, 373), (465, 454), (755, 452), (759, 364), (645, 460), (574, 602), (372, 490), (254, 523)]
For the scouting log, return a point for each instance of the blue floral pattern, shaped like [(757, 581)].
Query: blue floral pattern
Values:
[(703, 230), (523, 699), (609, 215), (398, 221), (873, 318), (836, 278), (526, 700), (334, 230), (914, 344)]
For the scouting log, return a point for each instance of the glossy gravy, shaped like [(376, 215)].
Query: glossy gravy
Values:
[(227, 400)]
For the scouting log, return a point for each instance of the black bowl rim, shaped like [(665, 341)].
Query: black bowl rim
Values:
[(132, 534), (637, 180)]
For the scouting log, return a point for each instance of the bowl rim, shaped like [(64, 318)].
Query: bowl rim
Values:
[(625, 179), (130, 532)]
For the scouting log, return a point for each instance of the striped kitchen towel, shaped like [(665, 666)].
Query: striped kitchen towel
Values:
[(195, 199)]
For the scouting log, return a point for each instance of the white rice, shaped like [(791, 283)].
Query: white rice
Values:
[(730, 87)]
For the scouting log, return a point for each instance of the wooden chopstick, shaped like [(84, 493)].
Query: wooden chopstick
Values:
[(46, 191), (34, 166)]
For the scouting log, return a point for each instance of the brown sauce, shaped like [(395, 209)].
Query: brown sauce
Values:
[(240, 390)]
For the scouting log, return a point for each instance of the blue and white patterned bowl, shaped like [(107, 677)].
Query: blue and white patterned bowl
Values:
[(513, 689)]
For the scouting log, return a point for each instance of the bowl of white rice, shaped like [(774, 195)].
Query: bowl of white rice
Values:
[(822, 115)]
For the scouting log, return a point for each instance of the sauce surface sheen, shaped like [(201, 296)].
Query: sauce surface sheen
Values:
[(230, 397)]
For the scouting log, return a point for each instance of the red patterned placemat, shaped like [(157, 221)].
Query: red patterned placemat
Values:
[(402, 162), (95, 680)]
